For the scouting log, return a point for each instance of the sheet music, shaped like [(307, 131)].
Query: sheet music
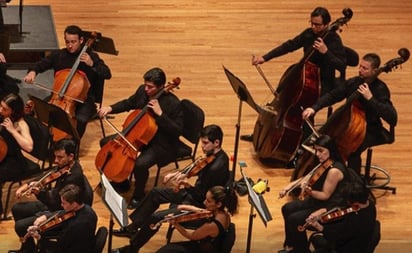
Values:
[(257, 199), (115, 202)]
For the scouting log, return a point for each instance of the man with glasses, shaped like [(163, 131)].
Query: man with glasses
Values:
[(328, 52)]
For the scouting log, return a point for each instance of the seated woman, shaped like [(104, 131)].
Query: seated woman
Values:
[(221, 202), (324, 191), (14, 136)]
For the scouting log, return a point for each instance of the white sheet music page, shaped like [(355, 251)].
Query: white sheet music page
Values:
[(115, 202)]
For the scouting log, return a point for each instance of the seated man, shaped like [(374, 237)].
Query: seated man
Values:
[(214, 173)]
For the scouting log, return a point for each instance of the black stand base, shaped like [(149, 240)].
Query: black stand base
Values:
[(380, 179)]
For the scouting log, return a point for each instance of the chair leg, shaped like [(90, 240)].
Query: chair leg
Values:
[(6, 206), (169, 233), (157, 175), (370, 180)]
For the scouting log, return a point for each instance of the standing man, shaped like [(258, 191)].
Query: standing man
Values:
[(90, 64), (328, 54), (168, 116), (374, 101), (214, 173)]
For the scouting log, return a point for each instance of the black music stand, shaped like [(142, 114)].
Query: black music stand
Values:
[(244, 96), (102, 44), (55, 117), (256, 202), (116, 205)]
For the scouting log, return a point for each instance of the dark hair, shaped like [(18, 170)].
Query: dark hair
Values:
[(227, 196), (374, 59), (212, 132), (16, 105), (68, 145), (327, 142), (72, 193), (323, 12), (74, 29), (155, 75), (356, 191)]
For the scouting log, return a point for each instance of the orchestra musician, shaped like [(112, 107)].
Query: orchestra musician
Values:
[(14, 136), (48, 199), (168, 115), (222, 202), (329, 54), (374, 100), (348, 231), (325, 191), (74, 234), (90, 64), (214, 173)]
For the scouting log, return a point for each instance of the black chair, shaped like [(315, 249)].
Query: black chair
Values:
[(380, 177), (101, 237), (193, 120), (40, 155)]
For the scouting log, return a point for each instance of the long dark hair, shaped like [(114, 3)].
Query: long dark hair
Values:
[(16, 105), (327, 142), (227, 196)]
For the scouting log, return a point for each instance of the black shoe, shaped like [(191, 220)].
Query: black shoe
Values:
[(124, 249), (247, 137), (124, 232), (133, 204)]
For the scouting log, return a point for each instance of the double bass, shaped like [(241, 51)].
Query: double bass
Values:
[(69, 88), (117, 157), (277, 134), (347, 125)]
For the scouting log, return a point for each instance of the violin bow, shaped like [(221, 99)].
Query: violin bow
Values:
[(120, 134), (259, 69)]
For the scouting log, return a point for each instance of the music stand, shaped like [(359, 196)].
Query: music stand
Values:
[(243, 94), (102, 44), (56, 117), (256, 202), (116, 205)]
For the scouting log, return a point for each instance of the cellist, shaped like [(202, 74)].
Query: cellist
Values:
[(374, 100), (168, 115), (90, 64), (329, 54)]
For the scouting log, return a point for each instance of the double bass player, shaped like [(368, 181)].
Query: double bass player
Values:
[(328, 55), (374, 100)]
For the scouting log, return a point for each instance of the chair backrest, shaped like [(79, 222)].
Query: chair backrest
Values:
[(88, 192), (193, 120), (229, 239), (101, 237)]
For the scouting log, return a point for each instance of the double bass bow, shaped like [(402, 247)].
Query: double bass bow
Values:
[(117, 157), (277, 134), (347, 125)]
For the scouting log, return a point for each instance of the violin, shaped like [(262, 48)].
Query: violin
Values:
[(50, 223), (48, 178), (329, 216), (117, 157), (183, 217)]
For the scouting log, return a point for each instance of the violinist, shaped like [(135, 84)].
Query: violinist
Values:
[(348, 231), (90, 64), (213, 174), (329, 54), (208, 237), (325, 191), (14, 136), (74, 234), (168, 115), (48, 199), (374, 100)]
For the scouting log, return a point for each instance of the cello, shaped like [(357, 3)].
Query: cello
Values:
[(117, 157), (347, 125), (277, 135), (69, 88)]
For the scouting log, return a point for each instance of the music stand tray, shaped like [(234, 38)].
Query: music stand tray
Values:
[(102, 44), (54, 116)]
